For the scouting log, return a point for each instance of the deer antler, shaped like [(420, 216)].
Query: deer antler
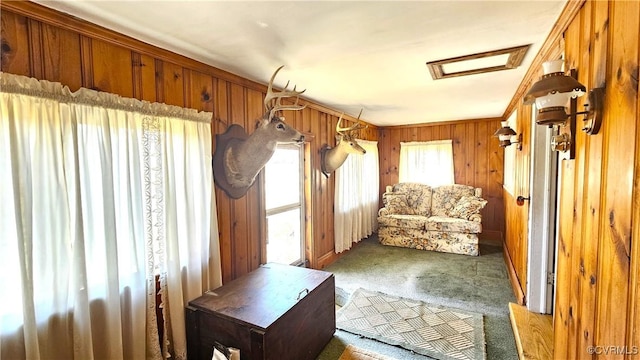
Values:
[(273, 100), (355, 127)]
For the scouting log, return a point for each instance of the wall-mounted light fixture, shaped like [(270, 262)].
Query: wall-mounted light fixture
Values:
[(553, 93), (508, 136)]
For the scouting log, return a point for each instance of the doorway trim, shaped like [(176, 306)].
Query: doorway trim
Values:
[(307, 230), (542, 221)]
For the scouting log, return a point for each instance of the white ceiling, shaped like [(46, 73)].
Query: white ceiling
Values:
[(347, 54)]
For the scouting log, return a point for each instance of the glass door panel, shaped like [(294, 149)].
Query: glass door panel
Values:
[(283, 234), (284, 204)]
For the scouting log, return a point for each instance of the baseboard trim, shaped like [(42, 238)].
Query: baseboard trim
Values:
[(513, 277), (326, 259)]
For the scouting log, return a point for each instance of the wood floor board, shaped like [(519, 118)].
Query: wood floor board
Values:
[(533, 333)]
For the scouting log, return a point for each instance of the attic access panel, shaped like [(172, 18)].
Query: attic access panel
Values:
[(479, 63)]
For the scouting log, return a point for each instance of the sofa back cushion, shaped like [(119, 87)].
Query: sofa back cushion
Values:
[(467, 206), (418, 197), (446, 197), (396, 203)]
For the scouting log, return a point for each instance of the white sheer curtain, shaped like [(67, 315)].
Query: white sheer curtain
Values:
[(428, 162), (99, 195), (356, 197)]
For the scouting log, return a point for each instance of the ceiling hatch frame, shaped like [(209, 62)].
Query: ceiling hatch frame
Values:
[(515, 56)]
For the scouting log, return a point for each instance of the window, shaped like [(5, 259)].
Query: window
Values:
[(429, 162)]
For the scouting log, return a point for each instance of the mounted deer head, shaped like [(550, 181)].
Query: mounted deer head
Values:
[(240, 157), (333, 158)]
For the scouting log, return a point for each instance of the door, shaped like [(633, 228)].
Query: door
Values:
[(284, 205)]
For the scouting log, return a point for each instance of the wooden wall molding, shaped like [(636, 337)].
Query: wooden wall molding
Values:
[(551, 48), (447, 122)]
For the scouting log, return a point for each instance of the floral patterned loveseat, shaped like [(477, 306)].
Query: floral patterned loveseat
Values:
[(444, 218)]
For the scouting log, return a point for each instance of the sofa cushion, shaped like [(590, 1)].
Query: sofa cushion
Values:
[(404, 221), (396, 203), (457, 243), (467, 206), (418, 197), (449, 224), (446, 197)]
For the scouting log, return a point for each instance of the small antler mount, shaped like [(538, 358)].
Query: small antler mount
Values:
[(333, 157)]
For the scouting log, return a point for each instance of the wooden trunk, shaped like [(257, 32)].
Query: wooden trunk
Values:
[(274, 312)]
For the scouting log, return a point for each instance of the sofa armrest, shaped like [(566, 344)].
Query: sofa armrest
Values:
[(383, 212)]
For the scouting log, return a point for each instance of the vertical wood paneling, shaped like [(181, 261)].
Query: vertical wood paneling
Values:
[(514, 246), (394, 156), (239, 210), (111, 68), (316, 195), (35, 48), (633, 324), (495, 182), (384, 146), (14, 57), (516, 218), (481, 165), (221, 113), (146, 71), (517, 225), (459, 152), (563, 312), (61, 56), (256, 214), (200, 91), (620, 127), (326, 246), (573, 50), (589, 148), (172, 83)]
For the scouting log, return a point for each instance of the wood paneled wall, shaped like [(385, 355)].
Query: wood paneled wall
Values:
[(602, 43), (478, 161), (598, 259), (49, 45)]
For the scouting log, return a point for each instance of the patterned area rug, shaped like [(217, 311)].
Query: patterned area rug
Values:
[(435, 331)]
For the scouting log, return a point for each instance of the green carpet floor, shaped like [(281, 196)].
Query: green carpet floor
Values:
[(475, 283)]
